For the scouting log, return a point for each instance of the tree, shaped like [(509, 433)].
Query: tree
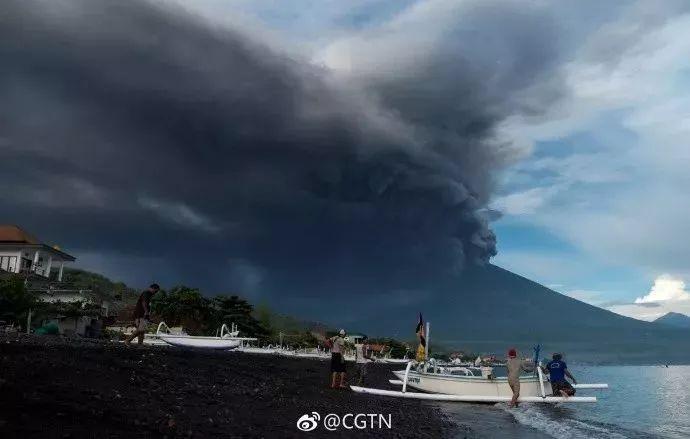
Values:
[(262, 312), (397, 348), (183, 306), (82, 279), (15, 300), (233, 309)]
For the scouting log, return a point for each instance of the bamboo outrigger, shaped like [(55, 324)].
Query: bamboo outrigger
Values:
[(461, 384)]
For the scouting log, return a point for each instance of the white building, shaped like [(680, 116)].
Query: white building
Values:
[(22, 253)]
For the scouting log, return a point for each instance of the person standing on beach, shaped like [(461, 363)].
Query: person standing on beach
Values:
[(515, 367), (361, 363), (142, 314), (558, 370), (337, 359)]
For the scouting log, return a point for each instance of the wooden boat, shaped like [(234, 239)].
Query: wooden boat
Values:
[(442, 386), (471, 384), (227, 339)]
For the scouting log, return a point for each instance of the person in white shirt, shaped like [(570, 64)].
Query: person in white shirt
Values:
[(337, 360), (361, 363)]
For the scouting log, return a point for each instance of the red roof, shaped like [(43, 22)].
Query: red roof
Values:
[(13, 234)]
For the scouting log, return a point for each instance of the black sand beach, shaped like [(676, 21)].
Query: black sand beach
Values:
[(55, 388)]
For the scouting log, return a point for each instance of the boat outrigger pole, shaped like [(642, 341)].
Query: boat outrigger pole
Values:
[(448, 383)]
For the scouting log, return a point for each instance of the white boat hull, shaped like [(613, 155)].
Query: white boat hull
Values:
[(471, 385), (471, 398), (200, 342), (394, 360)]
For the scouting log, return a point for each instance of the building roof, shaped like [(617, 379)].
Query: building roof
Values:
[(11, 235)]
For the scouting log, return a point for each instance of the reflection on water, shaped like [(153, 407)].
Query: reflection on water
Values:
[(642, 402), (651, 399)]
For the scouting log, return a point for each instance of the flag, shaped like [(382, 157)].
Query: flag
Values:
[(421, 349), (420, 331)]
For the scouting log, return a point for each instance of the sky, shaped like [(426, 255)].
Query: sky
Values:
[(254, 146)]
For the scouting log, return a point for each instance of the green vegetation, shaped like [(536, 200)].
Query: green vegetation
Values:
[(82, 279), (187, 307), (398, 349), (181, 306), (15, 300)]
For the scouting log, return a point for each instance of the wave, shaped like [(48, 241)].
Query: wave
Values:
[(560, 422)]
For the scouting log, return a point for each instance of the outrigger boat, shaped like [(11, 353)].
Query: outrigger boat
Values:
[(227, 340), (472, 384), (386, 358)]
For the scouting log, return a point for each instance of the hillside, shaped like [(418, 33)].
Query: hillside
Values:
[(489, 309), (674, 319)]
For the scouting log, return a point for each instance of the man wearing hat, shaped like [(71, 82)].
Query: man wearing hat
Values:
[(515, 367), (337, 360)]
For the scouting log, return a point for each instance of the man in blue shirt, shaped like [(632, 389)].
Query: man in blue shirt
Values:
[(558, 370)]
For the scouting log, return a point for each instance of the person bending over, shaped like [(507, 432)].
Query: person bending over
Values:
[(558, 370)]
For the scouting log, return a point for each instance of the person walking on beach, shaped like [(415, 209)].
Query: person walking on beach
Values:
[(142, 314), (337, 360), (515, 367), (361, 363), (558, 370)]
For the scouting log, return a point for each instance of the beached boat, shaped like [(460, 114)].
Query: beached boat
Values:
[(227, 340), (471, 384), (465, 385), (386, 358), (392, 360), (468, 381)]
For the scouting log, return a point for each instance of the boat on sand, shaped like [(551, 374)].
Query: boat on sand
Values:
[(472, 384), (227, 340)]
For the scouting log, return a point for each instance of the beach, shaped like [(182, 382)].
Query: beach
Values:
[(52, 387)]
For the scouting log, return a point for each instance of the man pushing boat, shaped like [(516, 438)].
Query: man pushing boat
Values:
[(515, 367), (142, 314), (558, 370)]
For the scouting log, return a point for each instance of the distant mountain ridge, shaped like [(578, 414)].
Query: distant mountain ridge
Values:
[(674, 319), (490, 309)]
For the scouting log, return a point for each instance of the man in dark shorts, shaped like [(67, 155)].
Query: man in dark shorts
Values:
[(337, 359), (558, 370), (142, 314)]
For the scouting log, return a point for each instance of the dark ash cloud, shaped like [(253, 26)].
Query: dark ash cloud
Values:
[(132, 129)]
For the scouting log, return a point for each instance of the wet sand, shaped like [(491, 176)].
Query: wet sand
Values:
[(56, 388)]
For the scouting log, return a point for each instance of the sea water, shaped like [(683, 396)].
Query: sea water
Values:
[(641, 402)]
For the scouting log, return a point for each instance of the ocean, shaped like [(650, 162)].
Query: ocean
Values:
[(641, 402)]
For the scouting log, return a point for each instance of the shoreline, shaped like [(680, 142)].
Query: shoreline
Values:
[(68, 388)]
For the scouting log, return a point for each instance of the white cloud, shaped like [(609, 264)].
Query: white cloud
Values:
[(180, 214), (667, 294), (526, 202), (665, 288), (622, 136)]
